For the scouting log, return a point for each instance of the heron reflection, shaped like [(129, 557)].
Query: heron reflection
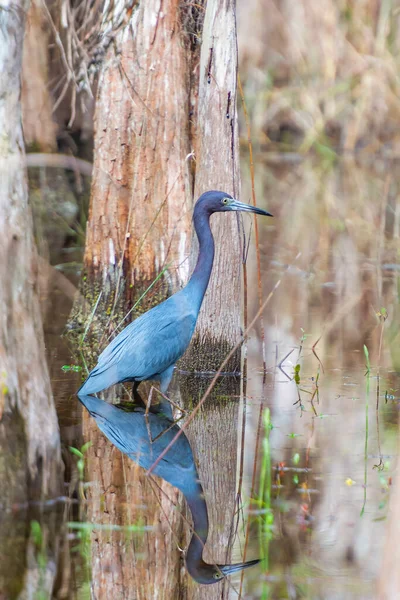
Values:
[(129, 432)]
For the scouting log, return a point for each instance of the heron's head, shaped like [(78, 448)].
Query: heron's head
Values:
[(215, 201), (221, 571), (207, 574)]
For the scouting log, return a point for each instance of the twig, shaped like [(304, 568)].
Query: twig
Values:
[(256, 233), (59, 161), (91, 317)]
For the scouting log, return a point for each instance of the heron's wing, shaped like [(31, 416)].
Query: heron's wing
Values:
[(151, 344)]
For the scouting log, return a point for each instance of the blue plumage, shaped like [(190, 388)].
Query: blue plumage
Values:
[(148, 348)]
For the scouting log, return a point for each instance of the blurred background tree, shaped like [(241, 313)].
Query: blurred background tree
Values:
[(30, 458)]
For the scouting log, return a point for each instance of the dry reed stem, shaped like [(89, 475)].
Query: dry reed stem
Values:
[(260, 299)]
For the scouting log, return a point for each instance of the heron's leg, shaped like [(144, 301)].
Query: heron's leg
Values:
[(146, 413), (165, 380), (160, 410), (169, 402), (173, 423), (136, 396), (156, 410)]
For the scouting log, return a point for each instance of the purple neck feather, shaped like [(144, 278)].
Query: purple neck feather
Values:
[(194, 555), (198, 282)]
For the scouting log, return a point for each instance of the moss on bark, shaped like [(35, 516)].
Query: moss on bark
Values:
[(97, 313), (199, 365)]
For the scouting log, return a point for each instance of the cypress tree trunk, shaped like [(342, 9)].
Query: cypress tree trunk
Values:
[(30, 461), (139, 222), (213, 433)]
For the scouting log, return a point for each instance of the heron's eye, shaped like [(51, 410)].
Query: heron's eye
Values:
[(225, 201), (216, 574)]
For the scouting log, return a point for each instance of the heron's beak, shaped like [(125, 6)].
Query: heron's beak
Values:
[(236, 205), (229, 569)]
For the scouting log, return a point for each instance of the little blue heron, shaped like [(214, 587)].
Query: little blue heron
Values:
[(128, 431), (149, 347)]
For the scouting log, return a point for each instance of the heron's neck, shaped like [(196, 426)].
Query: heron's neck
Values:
[(201, 275), (194, 555)]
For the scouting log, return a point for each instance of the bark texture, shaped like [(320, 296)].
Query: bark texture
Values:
[(139, 218), (30, 462)]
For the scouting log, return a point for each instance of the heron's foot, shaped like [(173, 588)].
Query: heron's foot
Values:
[(137, 398)]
